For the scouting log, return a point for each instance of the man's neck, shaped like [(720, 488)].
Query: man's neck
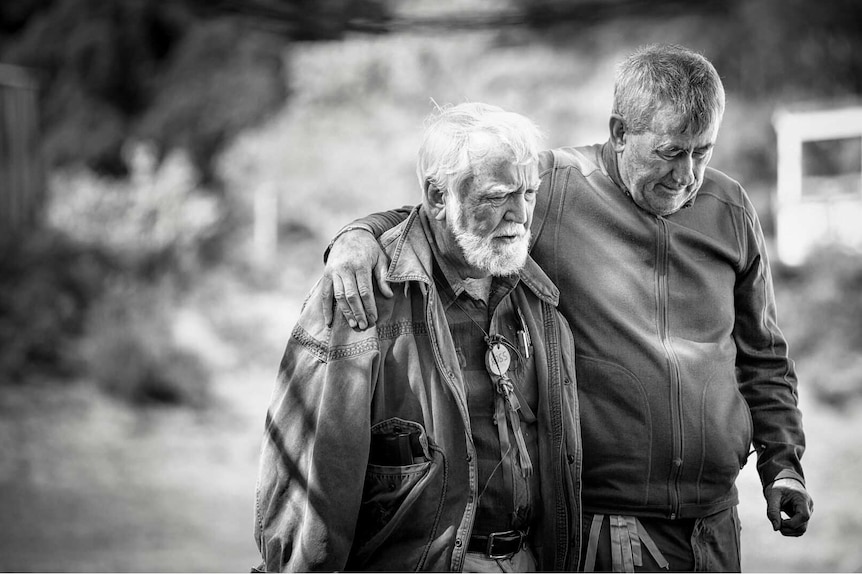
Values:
[(478, 289), (609, 158)]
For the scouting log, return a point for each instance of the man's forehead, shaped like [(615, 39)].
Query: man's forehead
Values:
[(503, 173), (674, 129)]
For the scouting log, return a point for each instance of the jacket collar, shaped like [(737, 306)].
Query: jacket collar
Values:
[(411, 258)]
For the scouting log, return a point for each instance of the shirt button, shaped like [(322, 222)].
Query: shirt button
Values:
[(469, 458), (457, 543), (570, 458)]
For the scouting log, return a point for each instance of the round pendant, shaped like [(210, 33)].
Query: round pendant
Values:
[(497, 359)]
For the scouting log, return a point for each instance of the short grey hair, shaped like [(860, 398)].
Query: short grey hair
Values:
[(667, 74), (447, 151)]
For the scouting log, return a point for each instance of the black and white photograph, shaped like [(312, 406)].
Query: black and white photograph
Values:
[(430, 285)]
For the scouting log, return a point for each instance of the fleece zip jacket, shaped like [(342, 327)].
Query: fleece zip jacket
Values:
[(681, 364)]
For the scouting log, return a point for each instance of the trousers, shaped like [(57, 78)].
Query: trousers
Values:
[(618, 543), (521, 562)]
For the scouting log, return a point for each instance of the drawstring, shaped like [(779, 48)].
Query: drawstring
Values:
[(627, 534)]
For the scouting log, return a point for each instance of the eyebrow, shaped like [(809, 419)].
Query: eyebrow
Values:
[(674, 147)]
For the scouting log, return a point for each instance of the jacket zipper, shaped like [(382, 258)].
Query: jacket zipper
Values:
[(674, 392)]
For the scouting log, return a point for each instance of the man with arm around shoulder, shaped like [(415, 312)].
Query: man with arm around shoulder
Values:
[(665, 280)]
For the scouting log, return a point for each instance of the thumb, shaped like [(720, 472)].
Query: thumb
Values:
[(327, 299), (380, 269), (773, 508)]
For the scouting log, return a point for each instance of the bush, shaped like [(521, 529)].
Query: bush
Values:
[(128, 349), (820, 304), (47, 284), (157, 221)]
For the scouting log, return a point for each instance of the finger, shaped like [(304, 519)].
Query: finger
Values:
[(773, 508), (326, 299), (354, 301), (795, 526), (380, 270), (341, 300), (366, 295)]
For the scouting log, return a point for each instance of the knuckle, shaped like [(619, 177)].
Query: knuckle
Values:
[(351, 294)]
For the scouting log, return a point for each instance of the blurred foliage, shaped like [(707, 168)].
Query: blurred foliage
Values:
[(178, 72), (820, 306), (128, 348), (47, 285), (160, 220), (98, 296)]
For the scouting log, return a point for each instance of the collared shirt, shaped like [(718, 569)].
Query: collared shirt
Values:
[(502, 505)]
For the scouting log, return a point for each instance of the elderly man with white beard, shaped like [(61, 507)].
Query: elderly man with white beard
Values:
[(444, 437)]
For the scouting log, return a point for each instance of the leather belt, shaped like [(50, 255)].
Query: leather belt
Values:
[(498, 545)]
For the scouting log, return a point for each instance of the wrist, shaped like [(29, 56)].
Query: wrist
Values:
[(341, 232), (786, 475)]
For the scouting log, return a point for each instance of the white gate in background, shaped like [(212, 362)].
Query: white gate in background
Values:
[(813, 210)]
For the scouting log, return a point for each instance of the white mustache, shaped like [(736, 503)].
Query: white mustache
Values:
[(517, 231)]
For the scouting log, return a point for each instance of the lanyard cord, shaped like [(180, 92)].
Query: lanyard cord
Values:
[(497, 361)]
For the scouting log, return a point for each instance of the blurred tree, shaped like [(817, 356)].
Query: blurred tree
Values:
[(181, 72), (797, 48), (220, 78), (761, 47)]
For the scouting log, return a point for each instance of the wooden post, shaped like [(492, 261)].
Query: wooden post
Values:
[(22, 189), (265, 223)]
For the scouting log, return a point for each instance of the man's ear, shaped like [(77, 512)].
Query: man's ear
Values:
[(618, 132), (435, 200)]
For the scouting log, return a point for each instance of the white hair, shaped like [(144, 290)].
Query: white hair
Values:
[(448, 147)]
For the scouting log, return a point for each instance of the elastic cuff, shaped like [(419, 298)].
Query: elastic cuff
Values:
[(341, 232), (787, 474)]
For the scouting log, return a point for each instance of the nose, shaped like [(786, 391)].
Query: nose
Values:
[(683, 170), (517, 208)]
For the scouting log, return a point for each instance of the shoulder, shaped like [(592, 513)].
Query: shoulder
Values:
[(327, 343), (726, 190), (395, 237), (585, 159)]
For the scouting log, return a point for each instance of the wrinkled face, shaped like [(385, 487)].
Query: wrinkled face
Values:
[(663, 168), (491, 221)]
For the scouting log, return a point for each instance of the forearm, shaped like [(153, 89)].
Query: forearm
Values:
[(376, 223)]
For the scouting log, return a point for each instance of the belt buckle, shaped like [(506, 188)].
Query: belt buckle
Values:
[(494, 535)]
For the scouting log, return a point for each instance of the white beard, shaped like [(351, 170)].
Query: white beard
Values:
[(481, 253)]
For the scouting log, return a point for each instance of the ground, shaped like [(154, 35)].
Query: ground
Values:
[(88, 483)]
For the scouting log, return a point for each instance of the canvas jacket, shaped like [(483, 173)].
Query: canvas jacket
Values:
[(321, 506), (681, 366)]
